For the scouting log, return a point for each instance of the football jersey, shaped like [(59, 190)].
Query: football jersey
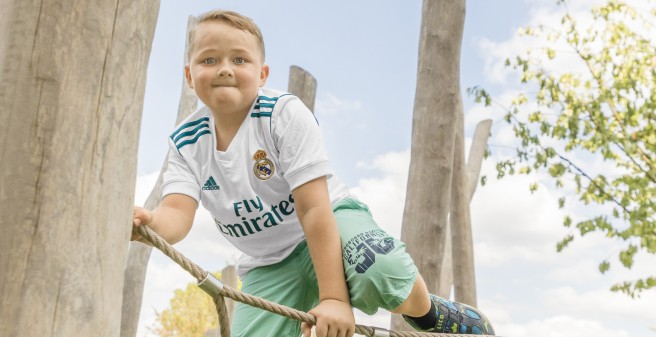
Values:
[(248, 188)]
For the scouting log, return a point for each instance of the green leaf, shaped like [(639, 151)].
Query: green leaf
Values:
[(564, 242), (626, 256), (590, 130)]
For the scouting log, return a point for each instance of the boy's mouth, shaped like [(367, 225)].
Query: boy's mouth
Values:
[(224, 84)]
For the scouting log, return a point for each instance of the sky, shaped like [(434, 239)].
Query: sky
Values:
[(364, 57)]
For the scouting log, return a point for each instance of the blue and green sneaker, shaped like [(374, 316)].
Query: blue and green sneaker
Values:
[(456, 318)]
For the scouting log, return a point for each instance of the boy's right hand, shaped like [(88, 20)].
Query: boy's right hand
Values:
[(140, 216)]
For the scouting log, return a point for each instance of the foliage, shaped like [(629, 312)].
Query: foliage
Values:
[(190, 314), (587, 119)]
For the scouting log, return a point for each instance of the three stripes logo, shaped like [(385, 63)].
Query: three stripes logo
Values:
[(189, 133), (210, 185), (264, 106)]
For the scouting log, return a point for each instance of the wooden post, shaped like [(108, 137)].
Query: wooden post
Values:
[(303, 85), (476, 154), (139, 253), (229, 277), (71, 94), (445, 281), (473, 169), (460, 219), (437, 101)]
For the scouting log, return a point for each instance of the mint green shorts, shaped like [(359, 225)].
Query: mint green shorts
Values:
[(379, 274)]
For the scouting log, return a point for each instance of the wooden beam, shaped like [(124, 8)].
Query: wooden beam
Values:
[(139, 253), (71, 94)]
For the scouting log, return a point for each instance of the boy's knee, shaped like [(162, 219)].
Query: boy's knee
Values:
[(381, 276)]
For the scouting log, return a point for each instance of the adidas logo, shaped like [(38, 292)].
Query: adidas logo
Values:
[(210, 184)]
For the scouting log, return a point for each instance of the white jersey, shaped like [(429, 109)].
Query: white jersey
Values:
[(247, 188)]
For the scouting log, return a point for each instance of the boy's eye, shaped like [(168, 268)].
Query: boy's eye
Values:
[(209, 61), (239, 60)]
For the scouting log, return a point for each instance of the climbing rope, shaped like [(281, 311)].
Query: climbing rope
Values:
[(215, 288)]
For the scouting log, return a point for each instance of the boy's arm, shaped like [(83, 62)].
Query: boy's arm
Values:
[(316, 216), (172, 220)]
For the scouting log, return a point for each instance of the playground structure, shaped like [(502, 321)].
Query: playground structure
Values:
[(93, 202)]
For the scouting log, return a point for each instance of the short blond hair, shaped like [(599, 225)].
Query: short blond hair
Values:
[(231, 18)]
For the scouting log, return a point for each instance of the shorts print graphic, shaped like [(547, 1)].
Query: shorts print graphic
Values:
[(361, 250)]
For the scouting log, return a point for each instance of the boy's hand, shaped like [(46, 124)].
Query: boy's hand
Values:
[(140, 216), (334, 319)]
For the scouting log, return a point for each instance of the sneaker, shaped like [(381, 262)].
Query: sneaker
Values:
[(456, 318)]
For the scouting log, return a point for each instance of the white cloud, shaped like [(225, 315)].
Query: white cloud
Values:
[(559, 326), (602, 304), (143, 187), (330, 105), (386, 195)]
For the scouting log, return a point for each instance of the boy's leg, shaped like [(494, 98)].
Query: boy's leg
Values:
[(288, 283), (443, 316), (380, 274)]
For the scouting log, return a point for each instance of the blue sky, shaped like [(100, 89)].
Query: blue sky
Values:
[(364, 57)]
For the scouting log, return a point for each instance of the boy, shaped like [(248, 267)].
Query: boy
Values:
[(254, 157)]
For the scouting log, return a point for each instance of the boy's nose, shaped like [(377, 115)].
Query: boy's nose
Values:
[(224, 72)]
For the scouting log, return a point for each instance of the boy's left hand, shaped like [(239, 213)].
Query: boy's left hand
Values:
[(334, 319)]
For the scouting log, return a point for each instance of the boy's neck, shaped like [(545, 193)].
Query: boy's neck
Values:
[(226, 127)]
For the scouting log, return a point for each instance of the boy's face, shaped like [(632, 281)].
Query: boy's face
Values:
[(225, 67)]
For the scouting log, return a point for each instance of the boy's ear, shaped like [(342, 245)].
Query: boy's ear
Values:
[(190, 83), (264, 74)]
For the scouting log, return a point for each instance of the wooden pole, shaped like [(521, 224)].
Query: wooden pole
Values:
[(139, 253), (473, 169), (437, 99), (460, 220), (476, 155), (229, 277), (303, 85), (71, 94)]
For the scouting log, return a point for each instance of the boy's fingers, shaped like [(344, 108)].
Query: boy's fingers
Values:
[(307, 329)]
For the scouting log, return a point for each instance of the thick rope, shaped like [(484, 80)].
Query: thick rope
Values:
[(258, 302), (224, 325)]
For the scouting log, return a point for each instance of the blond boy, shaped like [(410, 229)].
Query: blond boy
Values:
[(254, 158)]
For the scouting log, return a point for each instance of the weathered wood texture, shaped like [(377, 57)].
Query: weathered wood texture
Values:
[(437, 101), (303, 85), (229, 277), (139, 253), (476, 155), (445, 280), (474, 161), (72, 77), (462, 249)]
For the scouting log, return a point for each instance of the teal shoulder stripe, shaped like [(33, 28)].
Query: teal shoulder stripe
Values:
[(267, 105), (186, 125), (191, 141), (260, 114), (265, 98), (191, 132)]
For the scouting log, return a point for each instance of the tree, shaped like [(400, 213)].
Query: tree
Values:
[(191, 313), (600, 110), (71, 92)]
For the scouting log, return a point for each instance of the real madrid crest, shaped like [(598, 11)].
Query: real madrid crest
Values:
[(263, 167)]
